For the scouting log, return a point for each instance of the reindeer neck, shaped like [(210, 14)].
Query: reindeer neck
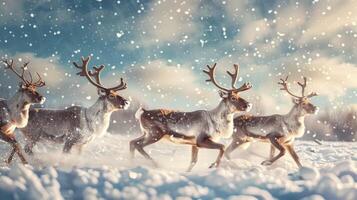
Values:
[(98, 117), (295, 114), (19, 109), (98, 109), (221, 111)]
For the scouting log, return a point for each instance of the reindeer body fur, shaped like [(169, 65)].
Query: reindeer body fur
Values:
[(200, 129), (216, 123), (73, 126), (14, 113), (279, 130), (289, 126)]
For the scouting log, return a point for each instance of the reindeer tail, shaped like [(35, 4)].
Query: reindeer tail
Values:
[(138, 113)]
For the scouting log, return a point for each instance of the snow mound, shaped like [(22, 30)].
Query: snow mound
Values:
[(104, 171)]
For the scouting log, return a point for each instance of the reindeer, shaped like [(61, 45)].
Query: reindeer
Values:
[(14, 112), (279, 130), (76, 125), (200, 129)]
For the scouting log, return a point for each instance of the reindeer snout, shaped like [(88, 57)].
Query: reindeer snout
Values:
[(42, 99), (316, 109), (126, 104), (249, 107)]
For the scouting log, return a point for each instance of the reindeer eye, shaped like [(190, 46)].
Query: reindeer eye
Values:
[(111, 96)]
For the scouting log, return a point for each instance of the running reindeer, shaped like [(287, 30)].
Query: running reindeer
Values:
[(200, 129), (14, 112), (76, 125), (279, 130)]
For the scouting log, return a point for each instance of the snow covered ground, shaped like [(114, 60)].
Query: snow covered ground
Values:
[(104, 171)]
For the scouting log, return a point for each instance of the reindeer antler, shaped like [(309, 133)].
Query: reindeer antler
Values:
[(234, 77), (10, 65), (96, 74), (283, 82), (39, 82), (211, 75)]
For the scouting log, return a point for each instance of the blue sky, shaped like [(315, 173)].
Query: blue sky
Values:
[(160, 48)]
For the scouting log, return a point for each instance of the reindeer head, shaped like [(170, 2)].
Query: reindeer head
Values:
[(110, 97), (302, 102), (230, 96), (27, 87)]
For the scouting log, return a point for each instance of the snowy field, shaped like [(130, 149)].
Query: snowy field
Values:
[(105, 172)]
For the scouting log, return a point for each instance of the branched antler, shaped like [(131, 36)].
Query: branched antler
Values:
[(234, 77), (10, 65), (283, 82), (211, 75), (96, 74)]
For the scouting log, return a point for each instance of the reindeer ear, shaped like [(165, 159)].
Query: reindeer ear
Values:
[(101, 92), (223, 94)]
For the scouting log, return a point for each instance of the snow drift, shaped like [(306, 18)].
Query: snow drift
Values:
[(104, 171)]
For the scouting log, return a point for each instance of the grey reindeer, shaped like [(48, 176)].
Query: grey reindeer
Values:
[(279, 130), (76, 125), (200, 129), (14, 112)]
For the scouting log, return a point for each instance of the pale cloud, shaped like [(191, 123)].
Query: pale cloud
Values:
[(241, 12), (328, 18), (49, 68), (159, 83), (63, 87), (328, 76), (17, 11), (11, 10), (332, 76), (254, 31), (169, 21), (290, 18)]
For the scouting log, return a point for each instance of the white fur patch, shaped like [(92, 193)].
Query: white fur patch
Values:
[(138, 113)]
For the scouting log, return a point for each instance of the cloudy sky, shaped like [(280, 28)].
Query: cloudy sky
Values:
[(161, 47)]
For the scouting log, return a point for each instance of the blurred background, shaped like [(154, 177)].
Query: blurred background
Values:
[(161, 47)]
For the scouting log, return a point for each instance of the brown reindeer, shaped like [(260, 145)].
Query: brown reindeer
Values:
[(14, 112), (200, 129), (279, 130)]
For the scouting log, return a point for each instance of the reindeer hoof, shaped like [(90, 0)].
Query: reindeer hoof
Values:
[(266, 162), (213, 165)]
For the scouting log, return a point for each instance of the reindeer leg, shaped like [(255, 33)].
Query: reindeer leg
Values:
[(15, 148), (272, 151), (11, 156), (274, 141), (153, 136), (69, 144), (194, 157), (234, 144), (20, 154), (29, 146), (146, 142), (71, 141), (133, 144), (206, 142), (293, 154)]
